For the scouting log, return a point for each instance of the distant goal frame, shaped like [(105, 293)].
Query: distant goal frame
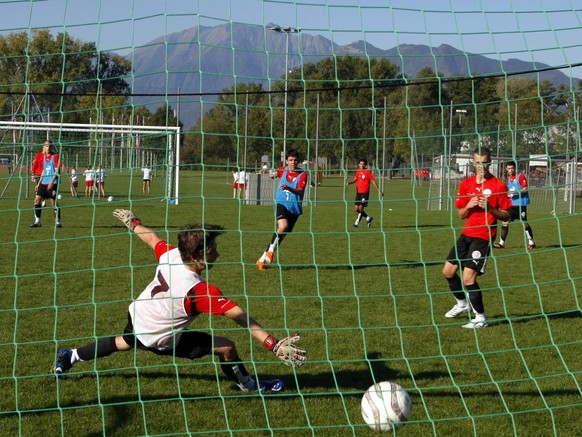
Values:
[(172, 187)]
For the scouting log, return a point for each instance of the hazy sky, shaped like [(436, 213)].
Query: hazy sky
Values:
[(548, 31)]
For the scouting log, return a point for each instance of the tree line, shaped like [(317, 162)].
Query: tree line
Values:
[(342, 107)]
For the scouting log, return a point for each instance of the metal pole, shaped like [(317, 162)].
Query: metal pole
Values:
[(246, 131), (286, 31), (285, 107), (177, 173), (316, 166), (384, 146)]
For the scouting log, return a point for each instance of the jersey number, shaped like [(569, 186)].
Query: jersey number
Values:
[(162, 285)]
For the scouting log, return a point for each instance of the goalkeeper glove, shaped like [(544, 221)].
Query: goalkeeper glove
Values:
[(286, 350), (127, 217)]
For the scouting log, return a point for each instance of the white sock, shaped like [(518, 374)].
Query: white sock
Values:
[(273, 244), (75, 356), (480, 317), (359, 218), (461, 303)]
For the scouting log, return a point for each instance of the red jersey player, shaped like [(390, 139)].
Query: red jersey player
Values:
[(362, 179), (45, 170), (481, 201), (158, 320)]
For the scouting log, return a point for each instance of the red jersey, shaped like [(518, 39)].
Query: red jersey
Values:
[(521, 178), (363, 179), (292, 175), (480, 224)]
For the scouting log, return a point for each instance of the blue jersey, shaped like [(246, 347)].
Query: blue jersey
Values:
[(515, 186), (49, 171), (292, 202)]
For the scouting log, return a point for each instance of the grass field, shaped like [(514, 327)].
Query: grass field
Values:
[(369, 305)]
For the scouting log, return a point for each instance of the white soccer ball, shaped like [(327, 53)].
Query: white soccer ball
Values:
[(385, 406), (60, 196), (110, 199)]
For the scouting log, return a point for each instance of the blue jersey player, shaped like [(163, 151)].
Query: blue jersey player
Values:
[(519, 195), (289, 199)]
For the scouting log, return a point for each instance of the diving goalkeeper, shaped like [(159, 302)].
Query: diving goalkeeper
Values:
[(158, 320)]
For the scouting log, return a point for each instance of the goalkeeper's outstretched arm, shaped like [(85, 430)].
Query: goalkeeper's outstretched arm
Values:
[(284, 349), (134, 224)]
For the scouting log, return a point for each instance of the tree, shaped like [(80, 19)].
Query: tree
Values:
[(58, 71)]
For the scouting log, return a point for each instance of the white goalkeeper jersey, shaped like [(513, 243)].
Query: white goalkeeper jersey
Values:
[(172, 301)]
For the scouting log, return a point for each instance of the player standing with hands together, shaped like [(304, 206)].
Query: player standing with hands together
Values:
[(362, 179), (481, 201), (158, 320), (46, 168)]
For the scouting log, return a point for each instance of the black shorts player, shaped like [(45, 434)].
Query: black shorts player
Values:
[(283, 213), (362, 199), (471, 252), (43, 192)]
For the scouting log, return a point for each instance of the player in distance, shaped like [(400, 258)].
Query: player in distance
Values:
[(481, 201), (288, 199), (362, 179), (158, 320), (518, 192), (45, 169)]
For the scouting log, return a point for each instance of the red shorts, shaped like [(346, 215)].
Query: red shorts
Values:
[(89, 183)]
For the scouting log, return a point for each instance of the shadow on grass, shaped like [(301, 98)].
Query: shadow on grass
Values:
[(526, 318), (403, 263)]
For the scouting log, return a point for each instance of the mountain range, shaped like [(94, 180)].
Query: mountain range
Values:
[(208, 60)]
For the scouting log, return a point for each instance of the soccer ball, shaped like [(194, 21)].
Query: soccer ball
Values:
[(60, 196), (385, 406), (110, 199)]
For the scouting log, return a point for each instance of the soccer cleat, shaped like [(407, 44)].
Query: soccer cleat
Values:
[(58, 225), (269, 257), (531, 246), (35, 225), (456, 311), (499, 245), (275, 385), (369, 221), (476, 324), (63, 362), (261, 265), (355, 225)]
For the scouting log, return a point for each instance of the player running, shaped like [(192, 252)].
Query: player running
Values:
[(289, 199), (518, 192), (45, 170), (481, 201), (362, 179), (158, 320)]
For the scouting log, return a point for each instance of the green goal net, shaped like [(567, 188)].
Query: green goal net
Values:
[(189, 109)]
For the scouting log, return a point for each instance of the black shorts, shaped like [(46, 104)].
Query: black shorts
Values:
[(471, 252), (192, 344), (362, 199), (45, 193), (283, 213), (518, 213)]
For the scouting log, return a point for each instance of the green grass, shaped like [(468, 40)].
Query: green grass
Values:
[(369, 304)]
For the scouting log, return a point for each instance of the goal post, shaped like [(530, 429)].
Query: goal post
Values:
[(109, 145)]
